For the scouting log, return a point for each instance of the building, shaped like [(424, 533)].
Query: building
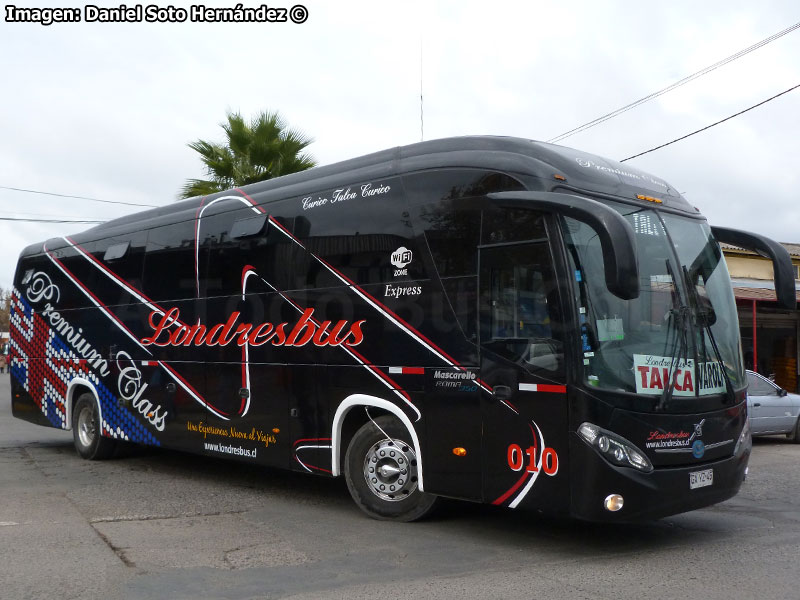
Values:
[(769, 334)]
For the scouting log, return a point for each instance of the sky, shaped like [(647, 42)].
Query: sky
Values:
[(106, 110)]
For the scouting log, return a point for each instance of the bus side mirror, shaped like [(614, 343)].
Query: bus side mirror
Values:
[(615, 233), (705, 315), (781, 261)]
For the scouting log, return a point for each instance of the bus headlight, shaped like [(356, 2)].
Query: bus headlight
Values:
[(745, 440), (616, 449)]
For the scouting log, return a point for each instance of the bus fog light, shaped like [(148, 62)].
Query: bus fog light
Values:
[(613, 502)]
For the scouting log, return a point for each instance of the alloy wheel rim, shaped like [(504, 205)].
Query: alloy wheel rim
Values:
[(86, 427), (390, 470)]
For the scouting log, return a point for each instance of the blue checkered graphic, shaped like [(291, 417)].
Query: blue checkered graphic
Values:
[(44, 365), (19, 370), (120, 421)]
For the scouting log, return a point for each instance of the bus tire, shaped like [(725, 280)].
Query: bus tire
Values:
[(89, 443), (381, 473)]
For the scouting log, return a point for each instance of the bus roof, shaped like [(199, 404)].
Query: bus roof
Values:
[(580, 171)]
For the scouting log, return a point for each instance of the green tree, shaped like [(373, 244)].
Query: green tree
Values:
[(261, 149)]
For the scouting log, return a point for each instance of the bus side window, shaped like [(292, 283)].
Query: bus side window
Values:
[(222, 256), (126, 265), (462, 293), (79, 268), (282, 262), (169, 268), (520, 317), (358, 237), (441, 211), (519, 303), (512, 225)]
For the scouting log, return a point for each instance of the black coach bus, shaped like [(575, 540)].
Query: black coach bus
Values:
[(492, 319)]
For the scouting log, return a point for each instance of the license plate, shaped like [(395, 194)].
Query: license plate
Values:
[(700, 479)]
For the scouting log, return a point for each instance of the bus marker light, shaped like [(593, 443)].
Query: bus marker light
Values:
[(560, 177), (649, 198), (460, 451), (613, 502), (275, 430)]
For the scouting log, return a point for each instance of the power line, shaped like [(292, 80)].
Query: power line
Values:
[(25, 213), (86, 222), (677, 84), (4, 187), (741, 112)]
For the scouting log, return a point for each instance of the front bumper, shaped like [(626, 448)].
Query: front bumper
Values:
[(663, 492)]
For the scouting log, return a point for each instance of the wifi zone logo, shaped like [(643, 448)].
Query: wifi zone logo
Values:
[(400, 259)]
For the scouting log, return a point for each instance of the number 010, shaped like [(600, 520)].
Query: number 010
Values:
[(517, 459)]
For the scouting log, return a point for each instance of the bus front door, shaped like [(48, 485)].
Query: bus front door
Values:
[(522, 363)]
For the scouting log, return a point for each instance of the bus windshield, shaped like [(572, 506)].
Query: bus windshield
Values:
[(679, 338)]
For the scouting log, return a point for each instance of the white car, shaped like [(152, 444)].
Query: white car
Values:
[(772, 409)]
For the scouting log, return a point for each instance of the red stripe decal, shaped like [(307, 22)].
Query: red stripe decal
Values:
[(516, 486), (485, 385), (309, 467), (244, 273), (253, 202), (312, 440), (413, 371), (196, 242), (558, 389)]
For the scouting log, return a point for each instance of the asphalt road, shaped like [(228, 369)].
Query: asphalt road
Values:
[(161, 524)]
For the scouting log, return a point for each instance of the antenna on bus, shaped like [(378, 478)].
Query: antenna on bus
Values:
[(421, 121)]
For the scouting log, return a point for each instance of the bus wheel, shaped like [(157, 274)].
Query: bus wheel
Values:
[(381, 472), (86, 430)]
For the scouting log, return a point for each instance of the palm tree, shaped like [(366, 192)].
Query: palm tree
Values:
[(255, 151)]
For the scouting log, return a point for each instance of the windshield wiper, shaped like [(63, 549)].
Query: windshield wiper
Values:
[(679, 316), (705, 318)]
